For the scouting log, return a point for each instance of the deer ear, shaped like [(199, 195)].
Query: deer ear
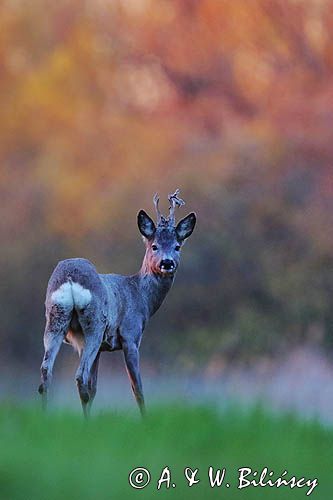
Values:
[(146, 225), (185, 227)]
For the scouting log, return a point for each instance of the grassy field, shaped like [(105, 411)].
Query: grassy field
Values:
[(61, 456)]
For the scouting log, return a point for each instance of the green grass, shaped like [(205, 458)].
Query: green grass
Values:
[(60, 456)]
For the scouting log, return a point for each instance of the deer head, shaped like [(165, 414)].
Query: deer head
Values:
[(165, 239)]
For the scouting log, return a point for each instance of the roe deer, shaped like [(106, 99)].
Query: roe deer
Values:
[(107, 312)]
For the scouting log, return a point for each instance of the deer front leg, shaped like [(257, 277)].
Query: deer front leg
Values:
[(131, 356)]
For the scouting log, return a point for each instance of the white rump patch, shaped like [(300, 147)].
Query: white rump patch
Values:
[(81, 296), (71, 295), (63, 296)]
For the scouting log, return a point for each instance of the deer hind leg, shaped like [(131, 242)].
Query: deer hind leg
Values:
[(93, 330), (57, 324), (92, 383)]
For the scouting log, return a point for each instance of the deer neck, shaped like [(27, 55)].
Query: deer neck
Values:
[(153, 287)]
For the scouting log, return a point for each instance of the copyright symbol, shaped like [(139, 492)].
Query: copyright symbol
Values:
[(139, 478)]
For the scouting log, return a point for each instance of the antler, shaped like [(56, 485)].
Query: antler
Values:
[(174, 201), (156, 200)]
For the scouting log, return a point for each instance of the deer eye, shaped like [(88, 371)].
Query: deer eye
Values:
[(177, 248), (154, 247)]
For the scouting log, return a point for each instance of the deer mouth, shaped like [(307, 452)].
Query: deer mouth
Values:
[(167, 271), (166, 274)]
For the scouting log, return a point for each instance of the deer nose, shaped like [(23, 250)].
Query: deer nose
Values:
[(167, 264)]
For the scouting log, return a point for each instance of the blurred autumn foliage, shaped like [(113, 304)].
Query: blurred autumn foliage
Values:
[(105, 102)]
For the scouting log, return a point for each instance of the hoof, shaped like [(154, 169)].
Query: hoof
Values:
[(83, 391), (41, 389)]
